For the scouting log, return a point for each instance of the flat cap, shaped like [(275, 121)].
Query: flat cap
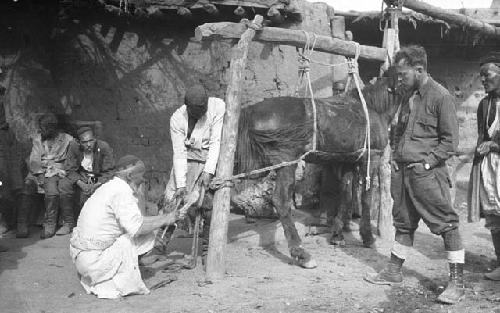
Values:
[(84, 129)]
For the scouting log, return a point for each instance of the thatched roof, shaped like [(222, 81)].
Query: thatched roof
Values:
[(275, 10)]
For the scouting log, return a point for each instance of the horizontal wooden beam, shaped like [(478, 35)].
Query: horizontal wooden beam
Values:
[(291, 37)]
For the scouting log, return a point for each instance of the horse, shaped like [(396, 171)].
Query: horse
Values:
[(281, 129)]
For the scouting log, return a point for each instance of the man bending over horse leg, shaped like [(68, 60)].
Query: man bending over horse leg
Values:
[(425, 136), (111, 233), (195, 130)]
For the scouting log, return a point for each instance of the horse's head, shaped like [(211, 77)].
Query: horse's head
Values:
[(384, 96)]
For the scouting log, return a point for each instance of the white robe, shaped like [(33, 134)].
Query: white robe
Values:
[(104, 246), (204, 144)]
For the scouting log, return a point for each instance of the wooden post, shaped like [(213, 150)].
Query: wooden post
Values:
[(292, 37), (220, 214), (384, 224)]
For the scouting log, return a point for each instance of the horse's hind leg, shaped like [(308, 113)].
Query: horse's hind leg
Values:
[(329, 201), (282, 198)]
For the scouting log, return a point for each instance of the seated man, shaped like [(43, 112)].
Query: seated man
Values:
[(95, 162), (111, 233), (49, 164)]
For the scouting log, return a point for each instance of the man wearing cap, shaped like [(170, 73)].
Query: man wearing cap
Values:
[(96, 161), (485, 176), (111, 233), (195, 131), (49, 165), (426, 135)]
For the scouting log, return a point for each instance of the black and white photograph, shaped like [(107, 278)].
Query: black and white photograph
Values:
[(250, 156)]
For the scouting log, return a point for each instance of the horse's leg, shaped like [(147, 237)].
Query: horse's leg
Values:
[(365, 227), (282, 198), (329, 201)]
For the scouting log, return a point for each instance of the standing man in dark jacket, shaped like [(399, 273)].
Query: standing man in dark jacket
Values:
[(426, 135), (95, 164)]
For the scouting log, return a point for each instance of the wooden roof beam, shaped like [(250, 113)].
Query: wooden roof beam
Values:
[(452, 17), (291, 37)]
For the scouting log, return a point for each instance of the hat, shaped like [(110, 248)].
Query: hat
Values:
[(196, 95), (84, 129), (492, 57), (127, 161)]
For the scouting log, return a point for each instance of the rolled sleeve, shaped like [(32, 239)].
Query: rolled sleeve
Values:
[(177, 136), (127, 212), (215, 138), (447, 133)]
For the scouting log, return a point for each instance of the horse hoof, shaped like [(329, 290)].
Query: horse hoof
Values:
[(309, 264)]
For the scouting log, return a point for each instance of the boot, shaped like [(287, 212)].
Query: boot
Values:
[(22, 217), (390, 275), (50, 221), (66, 203), (454, 292), (495, 274)]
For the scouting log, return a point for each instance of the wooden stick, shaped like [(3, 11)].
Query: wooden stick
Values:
[(220, 214), (452, 17), (291, 37), (384, 224)]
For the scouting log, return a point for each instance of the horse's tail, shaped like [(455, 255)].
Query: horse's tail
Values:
[(254, 147), (249, 153)]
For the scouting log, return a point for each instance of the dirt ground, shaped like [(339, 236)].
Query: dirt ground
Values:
[(38, 276)]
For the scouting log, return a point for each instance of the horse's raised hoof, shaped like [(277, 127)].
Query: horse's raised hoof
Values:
[(337, 240), (302, 258)]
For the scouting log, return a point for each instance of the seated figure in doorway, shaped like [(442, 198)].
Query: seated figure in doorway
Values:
[(111, 233), (95, 161), (49, 165)]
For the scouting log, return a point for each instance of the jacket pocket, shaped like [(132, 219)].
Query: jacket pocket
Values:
[(425, 127)]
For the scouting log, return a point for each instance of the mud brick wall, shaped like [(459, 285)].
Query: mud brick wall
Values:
[(132, 77)]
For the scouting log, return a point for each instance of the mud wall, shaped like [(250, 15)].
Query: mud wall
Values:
[(131, 76)]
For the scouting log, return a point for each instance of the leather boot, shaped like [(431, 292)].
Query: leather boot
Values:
[(50, 221), (22, 217), (454, 292), (495, 274), (66, 204), (390, 275)]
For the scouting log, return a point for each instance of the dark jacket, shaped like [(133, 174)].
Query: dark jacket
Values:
[(429, 133), (102, 166), (483, 125)]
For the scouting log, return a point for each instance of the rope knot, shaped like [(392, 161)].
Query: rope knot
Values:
[(251, 24), (352, 66)]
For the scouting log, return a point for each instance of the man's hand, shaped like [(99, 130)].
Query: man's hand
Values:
[(40, 178), (394, 165), (180, 193), (206, 178), (170, 218), (86, 188), (486, 147), (416, 166)]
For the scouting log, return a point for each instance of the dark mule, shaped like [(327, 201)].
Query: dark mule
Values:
[(280, 129)]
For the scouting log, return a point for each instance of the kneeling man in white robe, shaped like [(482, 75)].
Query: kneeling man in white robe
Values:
[(111, 233)]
